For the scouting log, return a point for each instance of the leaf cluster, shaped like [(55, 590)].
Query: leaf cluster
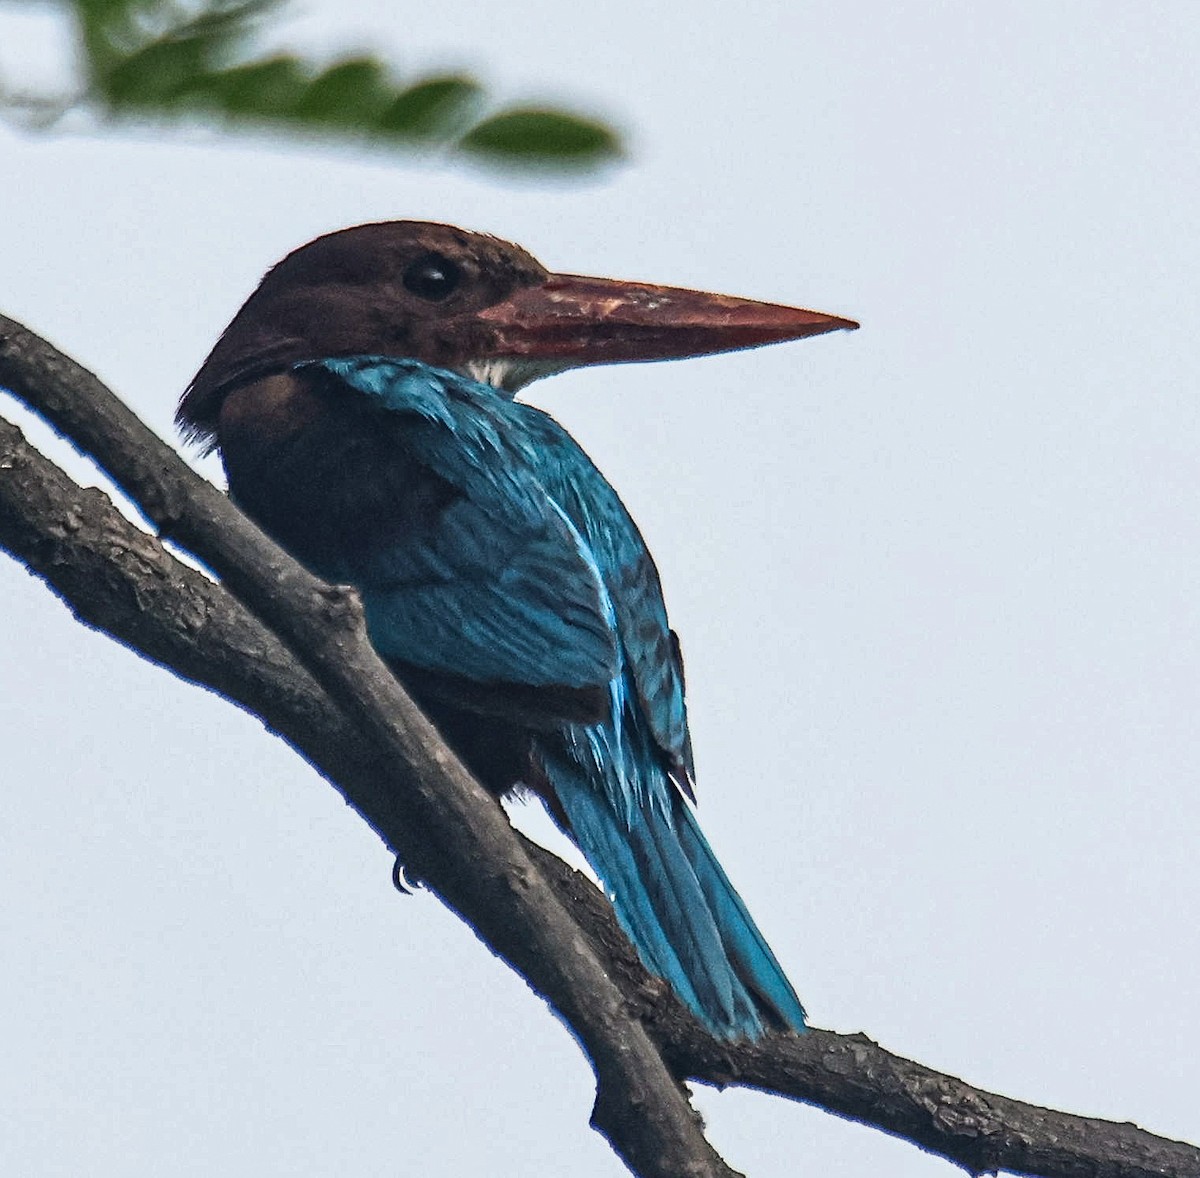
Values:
[(187, 61)]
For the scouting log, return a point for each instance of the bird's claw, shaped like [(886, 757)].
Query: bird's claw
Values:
[(403, 881)]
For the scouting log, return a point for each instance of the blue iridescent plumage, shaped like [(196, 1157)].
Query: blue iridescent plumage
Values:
[(539, 575)]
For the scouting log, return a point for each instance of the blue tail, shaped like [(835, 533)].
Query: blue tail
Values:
[(670, 894)]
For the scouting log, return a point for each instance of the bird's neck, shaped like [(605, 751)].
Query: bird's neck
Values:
[(319, 468)]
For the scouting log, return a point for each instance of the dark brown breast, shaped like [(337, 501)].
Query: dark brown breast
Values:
[(334, 480), (329, 475)]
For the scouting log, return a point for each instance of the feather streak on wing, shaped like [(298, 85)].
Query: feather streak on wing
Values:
[(649, 651), (502, 589)]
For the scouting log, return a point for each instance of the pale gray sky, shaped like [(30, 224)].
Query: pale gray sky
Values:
[(936, 581)]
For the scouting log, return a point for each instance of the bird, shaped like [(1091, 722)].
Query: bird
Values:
[(363, 401)]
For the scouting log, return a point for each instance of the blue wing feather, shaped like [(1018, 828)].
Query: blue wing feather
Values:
[(651, 656), (536, 574), (503, 588), (619, 781)]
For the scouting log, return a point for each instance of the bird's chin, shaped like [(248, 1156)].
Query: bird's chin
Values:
[(510, 374)]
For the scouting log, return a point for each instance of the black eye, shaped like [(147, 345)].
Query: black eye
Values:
[(432, 277)]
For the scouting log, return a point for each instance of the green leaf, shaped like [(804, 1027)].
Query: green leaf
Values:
[(350, 94), (108, 30), (537, 135), (268, 89), (168, 41), (157, 74), (433, 109), (173, 59)]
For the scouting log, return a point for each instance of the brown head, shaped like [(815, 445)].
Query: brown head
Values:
[(467, 302)]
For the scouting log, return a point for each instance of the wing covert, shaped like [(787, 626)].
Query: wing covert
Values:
[(499, 586), (650, 650)]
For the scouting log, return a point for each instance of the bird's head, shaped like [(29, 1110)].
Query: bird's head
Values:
[(470, 303)]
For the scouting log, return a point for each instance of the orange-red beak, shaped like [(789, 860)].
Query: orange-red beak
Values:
[(579, 321)]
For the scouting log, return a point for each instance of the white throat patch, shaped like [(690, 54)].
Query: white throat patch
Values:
[(511, 373)]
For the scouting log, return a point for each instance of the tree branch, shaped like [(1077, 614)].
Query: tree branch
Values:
[(422, 802), (321, 687)]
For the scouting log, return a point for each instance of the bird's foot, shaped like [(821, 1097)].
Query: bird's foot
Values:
[(403, 879)]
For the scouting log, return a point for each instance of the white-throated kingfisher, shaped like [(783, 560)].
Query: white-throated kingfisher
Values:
[(363, 403)]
